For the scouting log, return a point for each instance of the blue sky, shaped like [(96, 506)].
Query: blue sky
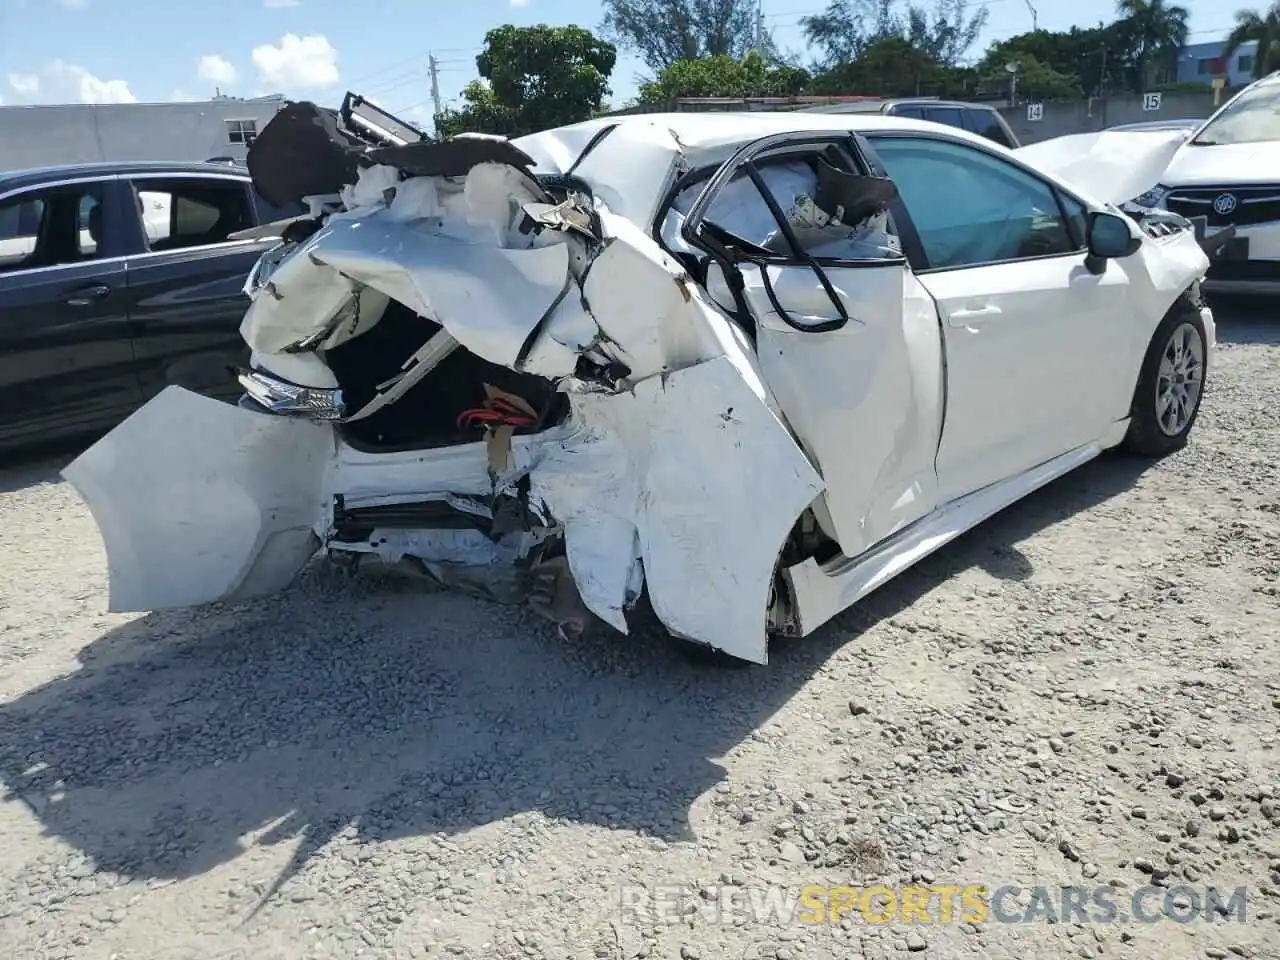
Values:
[(60, 51)]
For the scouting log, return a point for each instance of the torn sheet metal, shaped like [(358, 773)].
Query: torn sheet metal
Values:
[(643, 158), (1113, 166), (199, 500), (487, 297), (694, 468), (640, 297)]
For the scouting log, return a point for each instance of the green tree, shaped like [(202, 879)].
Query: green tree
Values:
[(1090, 56), (533, 78), (943, 32), (893, 67), (1036, 79), (722, 76), (1155, 31), (1264, 27), (664, 32)]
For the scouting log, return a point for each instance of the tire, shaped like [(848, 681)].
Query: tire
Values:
[(1174, 369)]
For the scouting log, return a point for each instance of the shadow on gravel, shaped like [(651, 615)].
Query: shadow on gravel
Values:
[(1246, 320), (397, 712), (32, 470)]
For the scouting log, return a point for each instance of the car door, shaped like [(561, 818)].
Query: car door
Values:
[(847, 339), (1036, 335), (66, 360), (186, 297)]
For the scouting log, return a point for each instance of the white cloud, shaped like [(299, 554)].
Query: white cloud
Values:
[(62, 82), (297, 62), (216, 69), (179, 95), (282, 3), (25, 84)]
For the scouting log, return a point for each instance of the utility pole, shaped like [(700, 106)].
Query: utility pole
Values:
[(434, 66), (760, 27)]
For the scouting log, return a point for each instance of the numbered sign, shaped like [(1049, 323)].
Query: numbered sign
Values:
[(1150, 102), (1035, 111)]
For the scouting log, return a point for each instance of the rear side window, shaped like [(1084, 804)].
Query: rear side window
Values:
[(19, 229), (914, 113), (986, 123), (951, 116), (179, 213), (52, 227)]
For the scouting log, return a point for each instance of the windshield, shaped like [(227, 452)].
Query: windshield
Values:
[(1250, 118)]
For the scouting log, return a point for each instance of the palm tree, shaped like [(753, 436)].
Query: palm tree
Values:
[(1156, 32), (1263, 27)]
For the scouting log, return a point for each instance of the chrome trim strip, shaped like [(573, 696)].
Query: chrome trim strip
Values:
[(135, 257)]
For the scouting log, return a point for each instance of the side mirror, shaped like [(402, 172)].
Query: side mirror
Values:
[(1110, 236)]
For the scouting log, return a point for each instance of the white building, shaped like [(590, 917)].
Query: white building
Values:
[(41, 136)]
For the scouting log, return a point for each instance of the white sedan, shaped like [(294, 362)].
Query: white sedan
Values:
[(750, 365)]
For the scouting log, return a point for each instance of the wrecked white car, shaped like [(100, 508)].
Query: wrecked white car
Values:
[(752, 365)]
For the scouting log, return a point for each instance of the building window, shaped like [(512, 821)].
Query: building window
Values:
[(1204, 66), (1244, 63), (242, 131)]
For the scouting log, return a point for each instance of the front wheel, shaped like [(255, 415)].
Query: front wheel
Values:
[(1170, 386)]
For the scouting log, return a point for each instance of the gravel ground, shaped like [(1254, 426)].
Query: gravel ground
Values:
[(1084, 691)]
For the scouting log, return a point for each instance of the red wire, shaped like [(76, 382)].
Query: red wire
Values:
[(485, 415)]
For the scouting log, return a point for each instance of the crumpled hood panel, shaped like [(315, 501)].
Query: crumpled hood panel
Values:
[(1113, 166)]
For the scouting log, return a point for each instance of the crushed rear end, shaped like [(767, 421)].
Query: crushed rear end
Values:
[(481, 375)]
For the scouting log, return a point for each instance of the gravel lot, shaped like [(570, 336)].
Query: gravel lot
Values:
[(1084, 691)]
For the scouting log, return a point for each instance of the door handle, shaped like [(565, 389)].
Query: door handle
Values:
[(966, 315), (86, 296)]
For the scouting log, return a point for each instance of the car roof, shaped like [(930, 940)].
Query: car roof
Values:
[(709, 132), (34, 176)]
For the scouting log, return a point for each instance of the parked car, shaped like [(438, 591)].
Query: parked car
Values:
[(116, 280), (751, 365), (980, 118), (1226, 180)]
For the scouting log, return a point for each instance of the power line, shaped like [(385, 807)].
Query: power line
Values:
[(419, 57)]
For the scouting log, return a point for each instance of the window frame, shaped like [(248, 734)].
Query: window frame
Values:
[(108, 195), (133, 183), (745, 158), (127, 232), (1057, 191), (245, 127), (960, 112), (745, 155), (974, 116)]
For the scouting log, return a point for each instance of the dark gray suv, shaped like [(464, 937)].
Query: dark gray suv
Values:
[(977, 118)]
